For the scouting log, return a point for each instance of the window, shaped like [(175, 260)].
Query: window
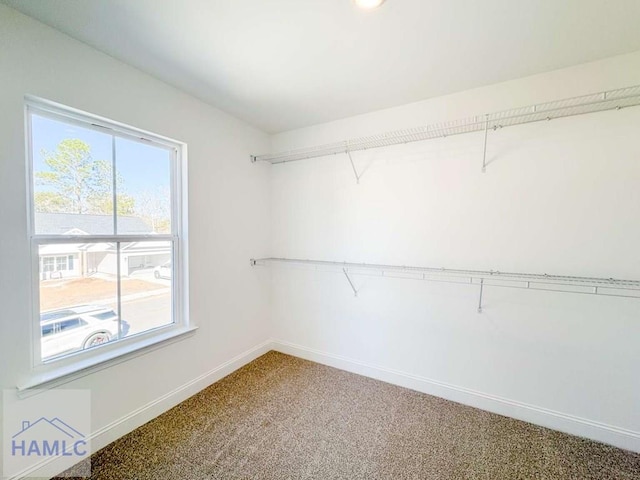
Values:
[(55, 267), (48, 264), (106, 221), (69, 324), (61, 263)]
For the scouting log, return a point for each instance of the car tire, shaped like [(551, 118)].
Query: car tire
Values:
[(156, 274), (96, 339)]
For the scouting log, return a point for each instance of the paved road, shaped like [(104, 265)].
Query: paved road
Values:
[(146, 313)]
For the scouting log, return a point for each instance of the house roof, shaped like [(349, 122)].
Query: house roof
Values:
[(65, 223)]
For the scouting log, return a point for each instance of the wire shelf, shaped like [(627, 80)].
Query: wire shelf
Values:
[(612, 287), (597, 102)]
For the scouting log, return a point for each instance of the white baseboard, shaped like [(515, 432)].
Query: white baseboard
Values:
[(120, 427), (616, 436), (107, 434), (619, 437)]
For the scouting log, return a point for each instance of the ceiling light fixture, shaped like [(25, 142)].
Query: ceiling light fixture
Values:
[(368, 4)]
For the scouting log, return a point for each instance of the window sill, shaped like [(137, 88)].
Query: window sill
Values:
[(51, 376)]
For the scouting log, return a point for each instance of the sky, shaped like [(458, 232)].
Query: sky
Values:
[(143, 167)]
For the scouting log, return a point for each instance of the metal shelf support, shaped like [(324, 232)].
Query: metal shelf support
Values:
[(353, 287), (353, 166), (484, 153)]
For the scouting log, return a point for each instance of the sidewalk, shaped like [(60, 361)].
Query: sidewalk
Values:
[(134, 296)]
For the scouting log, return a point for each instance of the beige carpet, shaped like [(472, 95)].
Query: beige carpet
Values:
[(281, 417)]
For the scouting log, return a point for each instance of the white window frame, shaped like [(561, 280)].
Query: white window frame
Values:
[(62, 369)]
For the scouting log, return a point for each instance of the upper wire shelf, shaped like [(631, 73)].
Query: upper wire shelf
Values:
[(596, 102)]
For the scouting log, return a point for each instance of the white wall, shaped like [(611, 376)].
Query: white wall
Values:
[(229, 214), (559, 197)]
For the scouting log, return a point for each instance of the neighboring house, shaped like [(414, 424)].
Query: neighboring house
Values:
[(76, 260)]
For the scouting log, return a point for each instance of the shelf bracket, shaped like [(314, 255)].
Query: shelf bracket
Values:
[(353, 166), (484, 154), (355, 292), (481, 291)]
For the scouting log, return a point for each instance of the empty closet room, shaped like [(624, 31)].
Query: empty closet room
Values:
[(348, 239)]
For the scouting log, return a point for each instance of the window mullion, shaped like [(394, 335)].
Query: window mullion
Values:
[(119, 289), (54, 239), (114, 187), (114, 176)]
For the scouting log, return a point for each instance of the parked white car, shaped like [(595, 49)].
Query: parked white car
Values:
[(163, 271), (76, 328)]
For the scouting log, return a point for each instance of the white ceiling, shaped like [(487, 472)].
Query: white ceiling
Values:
[(284, 64)]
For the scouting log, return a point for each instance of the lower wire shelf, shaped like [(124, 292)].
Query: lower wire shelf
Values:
[(610, 287)]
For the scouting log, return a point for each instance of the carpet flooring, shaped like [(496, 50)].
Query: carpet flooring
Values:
[(281, 417)]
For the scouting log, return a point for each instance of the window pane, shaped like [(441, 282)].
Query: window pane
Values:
[(143, 187), (47, 264), (61, 263), (78, 304), (147, 277), (72, 178)]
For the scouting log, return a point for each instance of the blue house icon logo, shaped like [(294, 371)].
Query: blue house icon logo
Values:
[(47, 438)]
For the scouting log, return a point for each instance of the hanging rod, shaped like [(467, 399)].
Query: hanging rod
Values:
[(596, 102), (610, 287)]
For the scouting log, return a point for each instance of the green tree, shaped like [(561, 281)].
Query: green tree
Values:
[(103, 204), (51, 202), (76, 183)]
